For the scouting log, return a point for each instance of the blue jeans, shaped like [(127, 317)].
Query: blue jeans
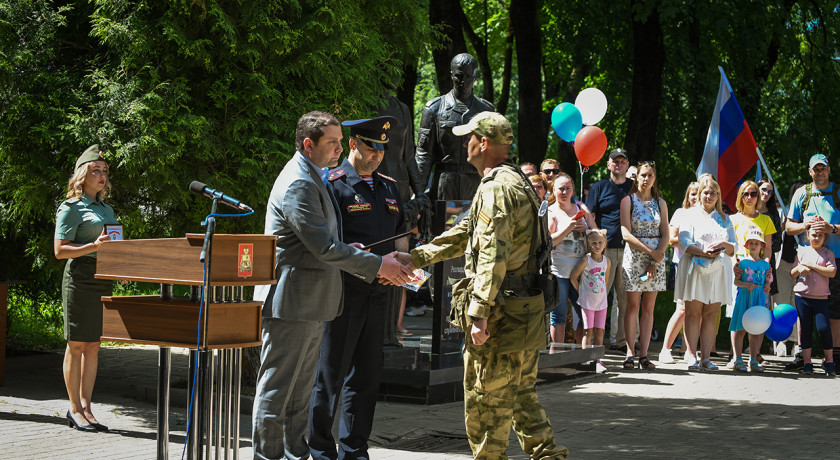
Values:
[(565, 293)]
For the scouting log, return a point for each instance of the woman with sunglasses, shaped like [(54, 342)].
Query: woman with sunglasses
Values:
[(748, 219), (767, 205), (644, 227)]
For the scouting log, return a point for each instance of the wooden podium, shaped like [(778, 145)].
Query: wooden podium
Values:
[(227, 322)]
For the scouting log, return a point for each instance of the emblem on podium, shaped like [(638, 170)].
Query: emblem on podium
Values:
[(245, 267)]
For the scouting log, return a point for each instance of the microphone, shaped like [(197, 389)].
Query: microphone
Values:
[(201, 189)]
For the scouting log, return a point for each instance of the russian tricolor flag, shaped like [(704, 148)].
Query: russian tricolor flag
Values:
[(730, 147)]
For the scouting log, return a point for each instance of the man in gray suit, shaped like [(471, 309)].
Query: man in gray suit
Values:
[(310, 257)]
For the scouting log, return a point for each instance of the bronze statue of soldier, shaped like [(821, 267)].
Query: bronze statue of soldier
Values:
[(453, 178)]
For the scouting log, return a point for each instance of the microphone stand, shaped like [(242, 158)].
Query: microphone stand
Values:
[(199, 445)]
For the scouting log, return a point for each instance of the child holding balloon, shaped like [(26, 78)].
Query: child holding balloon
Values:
[(753, 286), (812, 268)]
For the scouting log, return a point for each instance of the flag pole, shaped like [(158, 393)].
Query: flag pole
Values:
[(770, 177)]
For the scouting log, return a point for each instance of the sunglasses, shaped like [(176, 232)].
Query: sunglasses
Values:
[(551, 171), (751, 194), (646, 163)]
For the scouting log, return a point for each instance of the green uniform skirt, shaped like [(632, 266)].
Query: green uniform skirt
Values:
[(81, 295)]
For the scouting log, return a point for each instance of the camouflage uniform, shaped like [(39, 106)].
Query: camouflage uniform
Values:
[(499, 387)]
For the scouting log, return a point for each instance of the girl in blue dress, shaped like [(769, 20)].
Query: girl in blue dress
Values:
[(753, 286)]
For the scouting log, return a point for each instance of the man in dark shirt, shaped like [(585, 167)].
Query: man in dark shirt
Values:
[(604, 201)]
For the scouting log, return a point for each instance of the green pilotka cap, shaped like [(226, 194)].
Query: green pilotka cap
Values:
[(91, 154)]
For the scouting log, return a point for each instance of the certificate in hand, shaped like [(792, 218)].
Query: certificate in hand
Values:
[(114, 231), (417, 279)]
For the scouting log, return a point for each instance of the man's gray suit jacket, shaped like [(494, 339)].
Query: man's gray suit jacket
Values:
[(310, 253)]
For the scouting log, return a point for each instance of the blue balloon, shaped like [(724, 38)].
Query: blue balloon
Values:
[(566, 120), (785, 314), (777, 332)]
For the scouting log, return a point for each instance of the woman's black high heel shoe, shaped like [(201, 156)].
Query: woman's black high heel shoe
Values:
[(98, 426), (72, 424)]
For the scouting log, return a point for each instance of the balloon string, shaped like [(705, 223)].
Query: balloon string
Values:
[(583, 169)]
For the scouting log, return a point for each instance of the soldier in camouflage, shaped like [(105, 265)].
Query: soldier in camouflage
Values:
[(500, 356)]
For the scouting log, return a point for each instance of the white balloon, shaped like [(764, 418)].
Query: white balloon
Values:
[(592, 105), (757, 319)]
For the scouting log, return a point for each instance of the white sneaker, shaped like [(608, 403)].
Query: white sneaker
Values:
[(665, 357), (781, 349), (416, 311), (599, 367), (730, 364), (689, 358)]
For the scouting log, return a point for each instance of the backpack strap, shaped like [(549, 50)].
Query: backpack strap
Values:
[(809, 192), (807, 200), (541, 239)]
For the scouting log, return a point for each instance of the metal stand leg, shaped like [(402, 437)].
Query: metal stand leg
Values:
[(218, 369), (237, 382), (192, 434), (207, 406), (227, 377), (164, 366), (204, 395)]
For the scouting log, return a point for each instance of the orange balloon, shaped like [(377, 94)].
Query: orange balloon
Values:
[(590, 145)]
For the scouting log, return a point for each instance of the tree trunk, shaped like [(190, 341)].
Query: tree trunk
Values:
[(405, 92), (532, 128), (445, 15), (752, 93), (648, 62), (480, 55), (501, 107), (699, 112)]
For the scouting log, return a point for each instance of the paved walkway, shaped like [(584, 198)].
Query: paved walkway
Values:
[(668, 413)]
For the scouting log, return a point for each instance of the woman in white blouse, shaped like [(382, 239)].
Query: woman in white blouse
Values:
[(705, 275)]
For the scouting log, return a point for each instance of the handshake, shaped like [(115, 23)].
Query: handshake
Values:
[(396, 269)]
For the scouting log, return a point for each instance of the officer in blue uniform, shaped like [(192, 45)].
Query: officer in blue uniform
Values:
[(351, 351)]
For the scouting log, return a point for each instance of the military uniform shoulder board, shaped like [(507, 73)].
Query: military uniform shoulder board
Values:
[(336, 173), (387, 177)]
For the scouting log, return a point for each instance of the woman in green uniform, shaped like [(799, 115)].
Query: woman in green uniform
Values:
[(79, 230)]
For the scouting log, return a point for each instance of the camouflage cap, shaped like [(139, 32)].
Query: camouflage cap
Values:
[(91, 154), (494, 126)]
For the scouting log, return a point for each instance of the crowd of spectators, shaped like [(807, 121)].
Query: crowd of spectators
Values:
[(724, 262)]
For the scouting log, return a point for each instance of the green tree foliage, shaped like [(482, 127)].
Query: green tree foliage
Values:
[(780, 57), (173, 92)]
